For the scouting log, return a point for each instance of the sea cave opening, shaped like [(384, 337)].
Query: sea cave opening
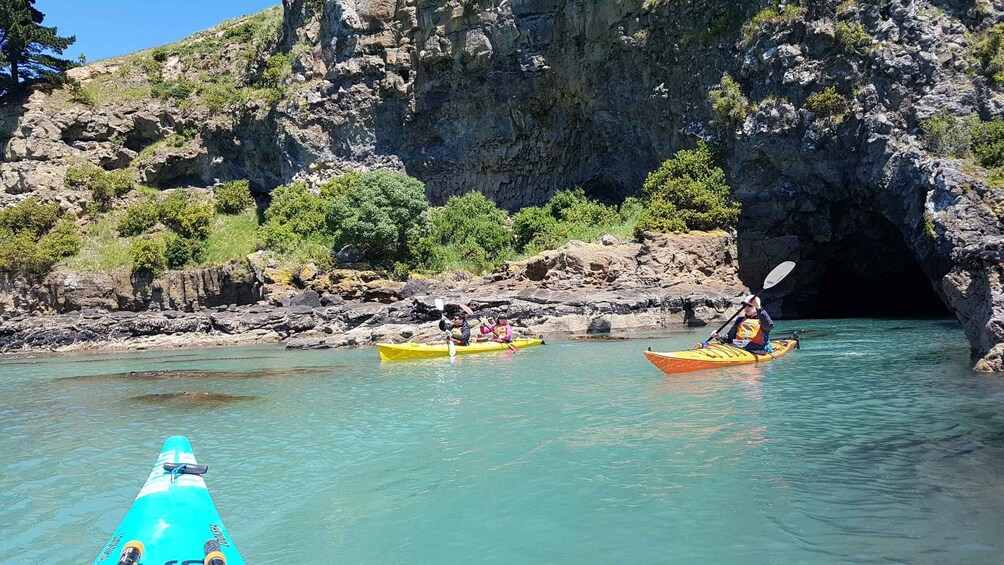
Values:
[(872, 274)]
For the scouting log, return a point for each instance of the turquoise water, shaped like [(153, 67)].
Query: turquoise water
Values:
[(860, 447)]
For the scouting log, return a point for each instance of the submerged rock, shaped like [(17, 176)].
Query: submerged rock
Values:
[(193, 399)]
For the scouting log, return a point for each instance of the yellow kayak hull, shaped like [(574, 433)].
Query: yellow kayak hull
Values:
[(397, 351), (715, 355)]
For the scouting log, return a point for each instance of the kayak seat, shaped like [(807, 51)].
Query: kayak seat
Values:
[(185, 469)]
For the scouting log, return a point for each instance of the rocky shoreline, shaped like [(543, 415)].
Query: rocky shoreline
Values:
[(352, 324), (580, 289)]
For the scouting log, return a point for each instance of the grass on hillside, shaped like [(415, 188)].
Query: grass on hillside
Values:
[(103, 249), (141, 75), (233, 237)]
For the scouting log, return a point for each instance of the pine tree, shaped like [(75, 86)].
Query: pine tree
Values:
[(27, 48)]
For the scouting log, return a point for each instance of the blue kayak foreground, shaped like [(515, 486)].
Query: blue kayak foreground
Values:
[(173, 519)]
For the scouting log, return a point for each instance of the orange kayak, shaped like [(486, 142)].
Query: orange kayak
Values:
[(715, 355)]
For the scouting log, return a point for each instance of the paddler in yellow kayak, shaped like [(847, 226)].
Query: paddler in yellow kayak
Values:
[(460, 332), (752, 330), (501, 331)]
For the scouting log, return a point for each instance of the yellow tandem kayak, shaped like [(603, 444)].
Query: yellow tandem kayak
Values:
[(396, 351), (715, 355)]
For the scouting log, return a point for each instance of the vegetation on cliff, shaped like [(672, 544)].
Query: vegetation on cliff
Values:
[(688, 192), (379, 217), (989, 53), (969, 138), (28, 50), (33, 237), (222, 69)]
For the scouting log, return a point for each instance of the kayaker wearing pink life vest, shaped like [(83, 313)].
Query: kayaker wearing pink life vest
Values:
[(501, 330), (752, 330)]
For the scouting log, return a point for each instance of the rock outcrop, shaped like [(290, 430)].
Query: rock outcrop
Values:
[(65, 291)]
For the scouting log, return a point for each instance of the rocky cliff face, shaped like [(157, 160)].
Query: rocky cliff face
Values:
[(67, 291), (518, 98)]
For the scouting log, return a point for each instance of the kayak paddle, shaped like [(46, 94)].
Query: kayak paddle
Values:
[(449, 338), (773, 278)]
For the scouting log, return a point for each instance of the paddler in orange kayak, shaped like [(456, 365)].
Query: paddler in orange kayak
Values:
[(752, 330)]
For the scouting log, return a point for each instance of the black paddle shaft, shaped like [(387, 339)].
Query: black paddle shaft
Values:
[(733, 317), (773, 278)]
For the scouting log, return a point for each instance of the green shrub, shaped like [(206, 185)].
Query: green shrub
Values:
[(104, 186), (195, 221), (293, 218), (572, 206), (339, 185), (120, 181), (61, 242), (185, 216), (29, 216), (177, 140), (102, 195), (995, 178), (929, 231), (179, 251), (770, 16), (947, 136), (826, 104), (233, 197), (568, 215), (988, 143), (728, 105), (688, 192), (80, 94), (278, 236), (989, 53), (179, 89), (631, 209), (171, 207), (529, 223), (384, 216), (278, 68), (661, 216), (294, 206), (218, 97), (852, 38), (33, 239), (81, 178), (26, 252), (476, 227), (149, 256), (139, 218)]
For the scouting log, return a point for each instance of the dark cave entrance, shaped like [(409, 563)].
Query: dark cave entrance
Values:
[(857, 266), (872, 274)]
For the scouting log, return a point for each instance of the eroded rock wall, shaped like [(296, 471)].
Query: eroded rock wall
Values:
[(190, 290)]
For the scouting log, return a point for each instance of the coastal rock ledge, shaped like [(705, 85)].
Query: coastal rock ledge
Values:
[(583, 288)]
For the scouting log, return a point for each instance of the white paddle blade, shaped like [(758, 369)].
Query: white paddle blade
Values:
[(453, 348), (439, 304), (778, 274)]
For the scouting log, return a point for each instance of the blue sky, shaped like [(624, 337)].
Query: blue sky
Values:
[(106, 28)]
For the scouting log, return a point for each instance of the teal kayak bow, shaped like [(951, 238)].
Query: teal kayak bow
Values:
[(173, 519)]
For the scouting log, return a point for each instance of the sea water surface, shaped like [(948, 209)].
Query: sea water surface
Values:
[(874, 443)]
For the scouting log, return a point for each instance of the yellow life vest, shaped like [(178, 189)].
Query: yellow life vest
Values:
[(749, 331)]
